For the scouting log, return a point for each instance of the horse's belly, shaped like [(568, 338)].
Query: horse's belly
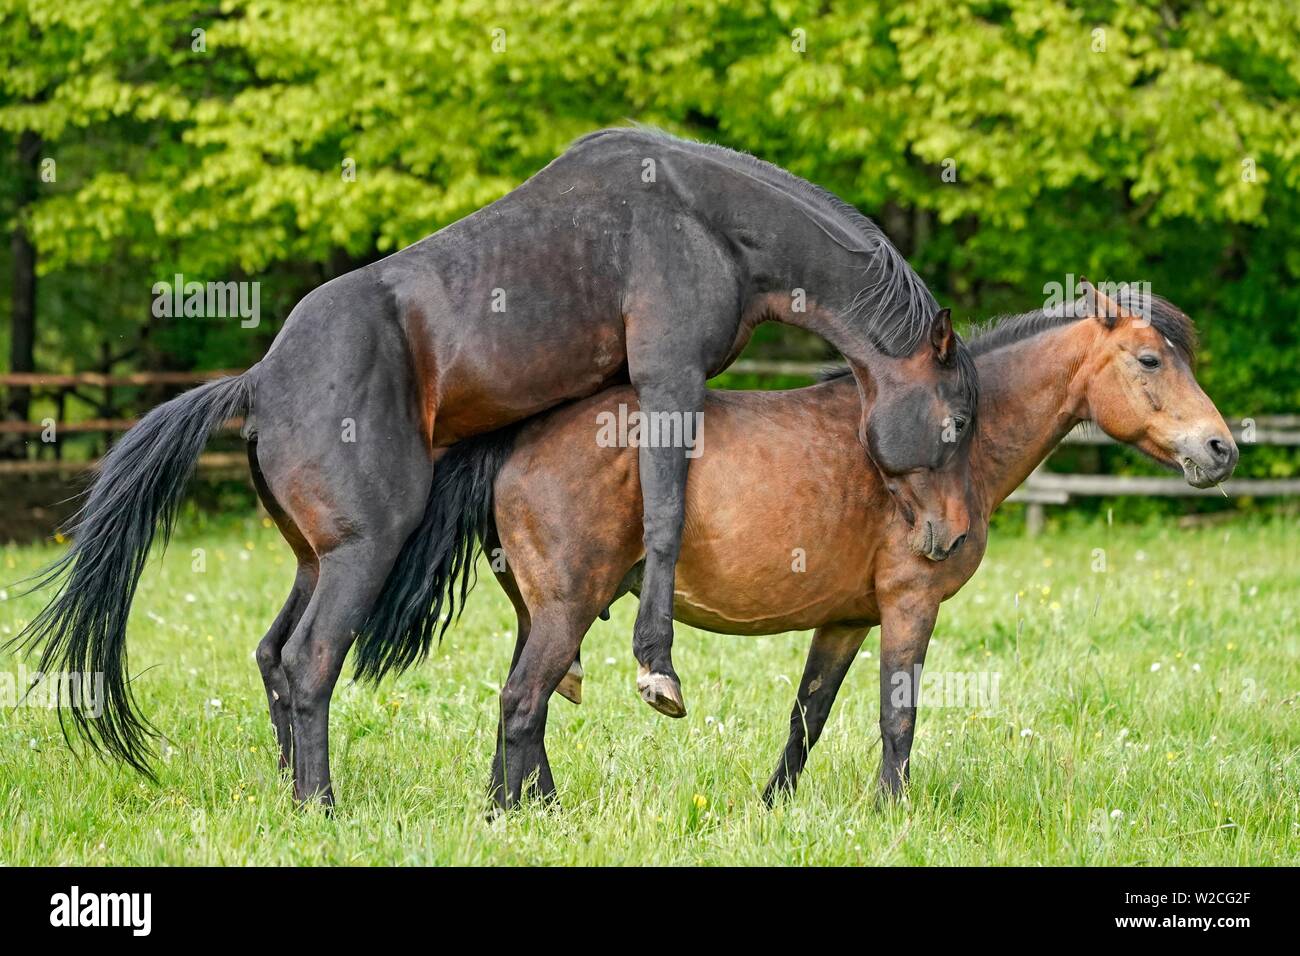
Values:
[(780, 532), (734, 620), (769, 585)]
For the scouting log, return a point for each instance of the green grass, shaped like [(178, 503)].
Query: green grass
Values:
[(1198, 756)]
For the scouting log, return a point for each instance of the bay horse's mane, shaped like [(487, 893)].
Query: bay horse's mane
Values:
[(1000, 331), (1167, 319), (896, 307)]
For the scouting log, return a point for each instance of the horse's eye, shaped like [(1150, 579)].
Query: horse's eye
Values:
[(1149, 361), (959, 424)]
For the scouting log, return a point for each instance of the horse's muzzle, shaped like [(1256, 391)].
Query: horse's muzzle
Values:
[(927, 540), (1208, 461)]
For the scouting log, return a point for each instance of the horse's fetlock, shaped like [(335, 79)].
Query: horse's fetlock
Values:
[(893, 726)]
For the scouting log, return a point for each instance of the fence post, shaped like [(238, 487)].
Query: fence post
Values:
[(1035, 518), (62, 408)]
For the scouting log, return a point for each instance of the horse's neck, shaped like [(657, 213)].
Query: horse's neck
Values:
[(1030, 397), (820, 270), (810, 249)]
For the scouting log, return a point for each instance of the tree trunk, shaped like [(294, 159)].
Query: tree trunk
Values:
[(22, 329)]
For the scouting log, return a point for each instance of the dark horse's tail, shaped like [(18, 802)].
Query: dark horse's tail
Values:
[(137, 492), (437, 560)]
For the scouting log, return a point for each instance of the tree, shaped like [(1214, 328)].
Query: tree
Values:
[(1004, 144)]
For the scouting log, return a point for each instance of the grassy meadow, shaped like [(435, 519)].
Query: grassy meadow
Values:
[(1145, 714)]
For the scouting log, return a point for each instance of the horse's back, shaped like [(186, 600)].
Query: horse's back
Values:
[(527, 302)]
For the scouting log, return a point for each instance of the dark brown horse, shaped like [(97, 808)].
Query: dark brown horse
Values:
[(633, 257), (788, 527)]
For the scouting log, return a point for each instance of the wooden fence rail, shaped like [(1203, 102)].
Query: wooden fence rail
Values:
[(107, 422), (42, 380), (225, 462), (1041, 488)]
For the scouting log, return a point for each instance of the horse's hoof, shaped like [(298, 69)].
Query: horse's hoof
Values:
[(322, 801), (571, 685), (777, 789), (661, 692)]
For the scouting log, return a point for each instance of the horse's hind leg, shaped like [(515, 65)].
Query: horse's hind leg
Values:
[(344, 440), (268, 661), (351, 577), (833, 649), (570, 687), (274, 677), (564, 572), (552, 643), (545, 780), (355, 517)]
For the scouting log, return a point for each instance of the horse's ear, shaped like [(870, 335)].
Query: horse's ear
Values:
[(1100, 306), (941, 335)]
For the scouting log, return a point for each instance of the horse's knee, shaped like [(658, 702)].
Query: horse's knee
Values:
[(661, 542)]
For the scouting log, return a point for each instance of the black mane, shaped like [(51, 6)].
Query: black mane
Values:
[(896, 307), (968, 379)]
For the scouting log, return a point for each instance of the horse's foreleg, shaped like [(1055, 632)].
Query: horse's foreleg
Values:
[(833, 650), (905, 629), (671, 413)]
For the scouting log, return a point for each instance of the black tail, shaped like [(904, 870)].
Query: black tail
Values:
[(138, 490), (437, 558)]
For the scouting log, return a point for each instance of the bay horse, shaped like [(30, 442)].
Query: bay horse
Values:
[(633, 257), (781, 478)]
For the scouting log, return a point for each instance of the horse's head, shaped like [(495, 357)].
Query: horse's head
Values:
[(1141, 388), (918, 415)]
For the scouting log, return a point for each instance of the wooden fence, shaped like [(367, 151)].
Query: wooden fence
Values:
[(1041, 488), (98, 390)]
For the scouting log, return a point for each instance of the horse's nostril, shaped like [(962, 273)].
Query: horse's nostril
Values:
[(961, 538), (1219, 449)]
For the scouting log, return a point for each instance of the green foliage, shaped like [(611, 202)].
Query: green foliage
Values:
[(1148, 141)]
